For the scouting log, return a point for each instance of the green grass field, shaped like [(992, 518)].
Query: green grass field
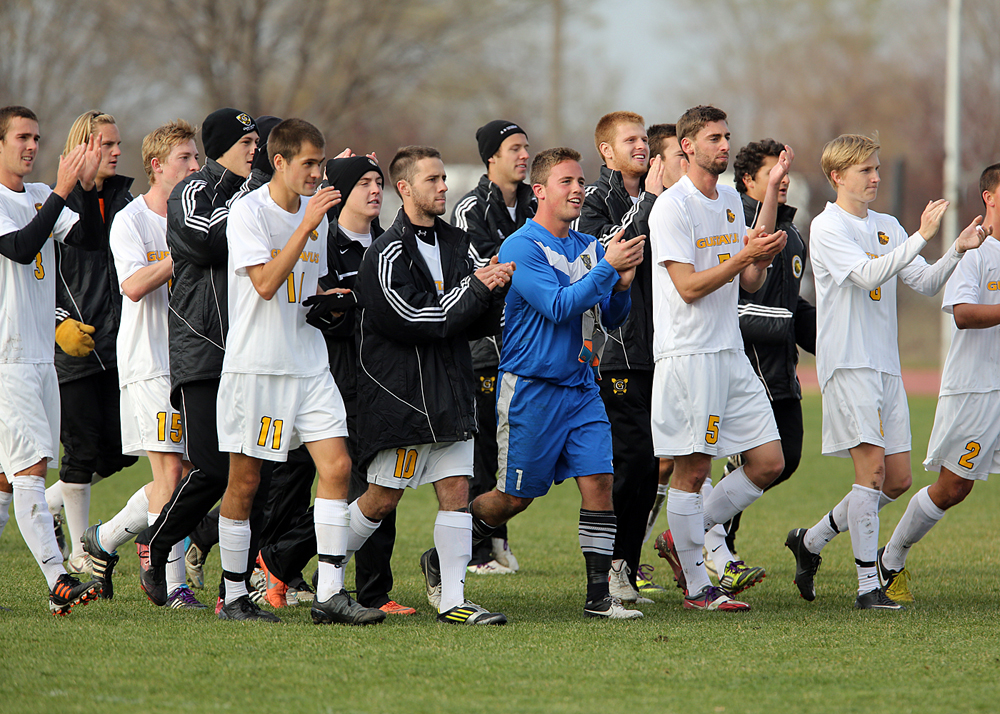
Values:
[(787, 655)]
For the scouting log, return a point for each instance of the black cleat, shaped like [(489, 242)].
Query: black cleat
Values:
[(152, 579), (806, 563), (68, 591), (104, 562), (430, 566), (469, 613), (242, 609), (876, 600), (342, 610)]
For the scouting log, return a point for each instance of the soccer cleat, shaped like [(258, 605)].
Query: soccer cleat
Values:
[(896, 583), (644, 579), (80, 565), (469, 613), (68, 591), (876, 600), (152, 580), (299, 593), (103, 561), (194, 565), (219, 602), (618, 582), (431, 568), (183, 599), (243, 609), (713, 598), (806, 563), (610, 608), (58, 521), (737, 577), (503, 555), (274, 589), (664, 545), (341, 609), (394, 608), (491, 568)]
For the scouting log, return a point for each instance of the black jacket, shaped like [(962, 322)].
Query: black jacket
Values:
[(197, 213), (775, 318), (415, 378), (483, 214), (606, 210), (87, 287)]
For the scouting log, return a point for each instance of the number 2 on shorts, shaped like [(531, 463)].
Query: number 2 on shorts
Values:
[(972, 451)]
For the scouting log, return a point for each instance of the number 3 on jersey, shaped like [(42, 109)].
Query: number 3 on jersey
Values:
[(39, 270)]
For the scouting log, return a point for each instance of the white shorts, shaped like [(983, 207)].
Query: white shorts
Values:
[(862, 406), (709, 403), (266, 415), (425, 463), (966, 435), (149, 423), (29, 416)]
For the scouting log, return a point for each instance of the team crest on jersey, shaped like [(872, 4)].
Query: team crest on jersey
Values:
[(620, 386), (883, 238), (487, 384), (314, 235), (797, 266), (244, 119), (586, 260), (730, 216)]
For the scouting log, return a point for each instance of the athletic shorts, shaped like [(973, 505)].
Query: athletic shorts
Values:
[(862, 406), (710, 403), (265, 415), (29, 416), (547, 433), (966, 435), (149, 423), (426, 463)]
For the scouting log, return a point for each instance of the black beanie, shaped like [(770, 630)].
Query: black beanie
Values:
[(492, 135), (264, 125), (223, 128), (344, 174)]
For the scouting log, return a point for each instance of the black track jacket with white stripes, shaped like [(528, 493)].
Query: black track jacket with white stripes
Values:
[(415, 378), (197, 214), (775, 318), (607, 209)]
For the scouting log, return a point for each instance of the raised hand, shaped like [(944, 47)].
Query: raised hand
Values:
[(930, 219), (973, 236), (654, 179), (321, 202), (624, 254), (762, 247), (91, 161), (70, 167), (781, 168)]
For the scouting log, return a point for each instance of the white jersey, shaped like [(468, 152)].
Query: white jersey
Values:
[(271, 336), (139, 239), (28, 324), (687, 227), (973, 362)]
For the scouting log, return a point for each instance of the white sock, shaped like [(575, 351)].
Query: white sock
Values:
[(35, 522), (76, 497), (54, 497), (733, 495), (453, 540), (361, 529), (5, 501), (234, 549), (332, 520), (834, 523), (718, 550), (127, 523), (920, 516), (176, 572), (686, 518), (862, 514)]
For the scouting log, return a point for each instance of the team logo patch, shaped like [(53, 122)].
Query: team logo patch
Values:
[(487, 384), (314, 235), (797, 266), (730, 216), (883, 238), (244, 119), (586, 260), (620, 386)]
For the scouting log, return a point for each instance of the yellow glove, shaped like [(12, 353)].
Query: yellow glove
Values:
[(74, 338)]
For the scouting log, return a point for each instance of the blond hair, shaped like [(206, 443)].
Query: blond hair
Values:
[(845, 151), (85, 125), (608, 124), (160, 142)]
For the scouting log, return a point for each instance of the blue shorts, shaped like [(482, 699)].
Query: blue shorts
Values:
[(547, 433)]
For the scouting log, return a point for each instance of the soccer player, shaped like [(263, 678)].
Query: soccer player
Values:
[(551, 422), (621, 200), (420, 301), (490, 212), (707, 402), (149, 424), (663, 143), (857, 253), (965, 442), (29, 413)]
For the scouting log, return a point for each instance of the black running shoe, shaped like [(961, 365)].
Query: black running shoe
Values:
[(806, 563), (152, 579), (68, 591), (243, 609), (341, 609), (104, 562), (430, 566), (876, 600)]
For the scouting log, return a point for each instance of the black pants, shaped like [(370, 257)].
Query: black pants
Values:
[(627, 396), (200, 490), (91, 428), (788, 417), (484, 473)]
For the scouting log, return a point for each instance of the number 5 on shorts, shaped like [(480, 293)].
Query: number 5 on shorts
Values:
[(712, 434)]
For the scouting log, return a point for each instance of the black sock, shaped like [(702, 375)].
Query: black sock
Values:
[(597, 541)]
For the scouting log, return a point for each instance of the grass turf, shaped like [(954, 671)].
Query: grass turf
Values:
[(786, 655)]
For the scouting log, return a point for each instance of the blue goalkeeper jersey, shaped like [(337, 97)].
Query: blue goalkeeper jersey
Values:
[(558, 281)]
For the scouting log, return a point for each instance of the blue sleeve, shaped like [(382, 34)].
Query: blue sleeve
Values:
[(536, 281), (615, 308)]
